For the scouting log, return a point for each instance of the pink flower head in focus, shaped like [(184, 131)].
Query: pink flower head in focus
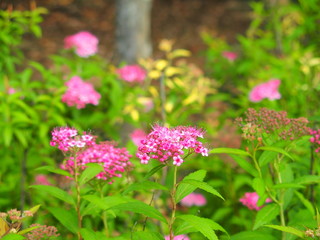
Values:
[(85, 43), (250, 199), (266, 90), (231, 56), (132, 73), (80, 93), (194, 199), (41, 180), (164, 143), (315, 139), (179, 237), (138, 135)]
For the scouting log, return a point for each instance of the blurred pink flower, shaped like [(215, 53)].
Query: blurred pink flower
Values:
[(231, 56), (132, 73), (80, 93), (85, 43), (42, 180), (265, 90), (179, 237), (138, 135), (250, 199), (194, 199), (11, 91)]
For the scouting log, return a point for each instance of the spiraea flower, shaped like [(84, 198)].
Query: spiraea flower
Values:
[(231, 56), (164, 144), (80, 93), (250, 200), (315, 139), (194, 199), (42, 232), (137, 136), (84, 43), (132, 73), (267, 90), (272, 124), (178, 237), (114, 160)]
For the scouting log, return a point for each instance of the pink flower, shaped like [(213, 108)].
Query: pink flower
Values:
[(231, 56), (179, 237), (138, 135), (132, 73), (80, 93), (42, 180), (250, 199), (85, 43), (315, 139), (194, 199), (265, 90), (164, 144), (11, 91)]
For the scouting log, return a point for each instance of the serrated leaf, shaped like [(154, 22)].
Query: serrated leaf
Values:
[(54, 170), (251, 235), (203, 225), (90, 172), (153, 171), (141, 208), (185, 189), (55, 192), (230, 151), (202, 185), (244, 164), (275, 149), (67, 217), (147, 235), (266, 215), (145, 185), (288, 229)]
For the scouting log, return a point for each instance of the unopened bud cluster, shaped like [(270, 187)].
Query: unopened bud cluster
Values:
[(314, 233), (270, 123), (42, 232), (15, 215)]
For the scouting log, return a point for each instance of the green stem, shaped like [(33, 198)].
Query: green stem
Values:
[(174, 205), (104, 215), (76, 171)]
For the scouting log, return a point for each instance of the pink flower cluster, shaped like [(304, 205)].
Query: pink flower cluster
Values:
[(137, 136), (267, 90), (250, 199), (315, 139), (42, 180), (113, 160), (164, 144), (65, 139), (132, 73), (16, 215), (194, 199), (85, 43), (82, 149), (42, 232), (179, 237), (231, 56), (80, 93)]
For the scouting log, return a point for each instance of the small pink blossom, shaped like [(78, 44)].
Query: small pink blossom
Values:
[(315, 139), (164, 144), (85, 43), (132, 73), (267, 90), (231, 56), (41, 180), (11, 91), (194, 199), (138, 135), (179, 237), (250, 199), (80, 93)]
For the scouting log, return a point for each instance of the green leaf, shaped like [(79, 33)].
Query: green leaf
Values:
[(21, 137), (275, 149), (147, 235), (54, 170), (56, 192), (141, 208), (202, 185), (26, 230), (153, 171), (259, 186), (106, 202), (12, 236), (7, 135), (244, 164), (203, 225), (266, 157), (185, 189), (308, 179), (266, 215), (145, 185), (67, 217), (287, 185), (251, 235), (306, 203), (230, 151), (89, 234), (287, 229), (90, 172), (34, 209)]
